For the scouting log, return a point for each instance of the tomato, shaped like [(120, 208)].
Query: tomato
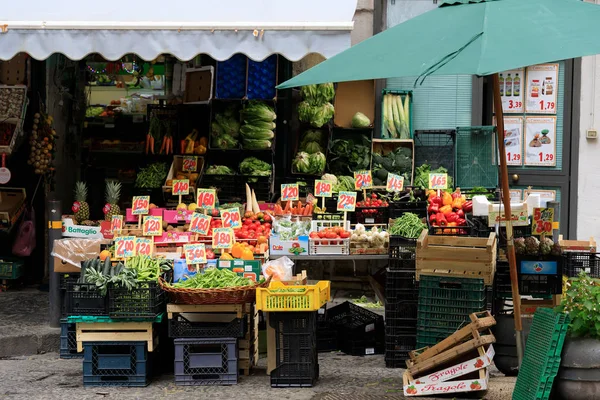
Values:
[(267, 218), (314, 235), (267, 225), (321, 234), (251, 235), (344, 234), (243, 235), (247, 221), (331, 235)]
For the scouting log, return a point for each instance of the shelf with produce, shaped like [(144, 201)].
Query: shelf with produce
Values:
[(395, 156), (311, 151)]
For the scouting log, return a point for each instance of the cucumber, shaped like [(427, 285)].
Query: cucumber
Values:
[(84, 266), (106, 270)]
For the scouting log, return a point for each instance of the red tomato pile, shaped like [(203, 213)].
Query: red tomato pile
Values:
[(255, 226), (215, 223), (373, 201), (330, 233)]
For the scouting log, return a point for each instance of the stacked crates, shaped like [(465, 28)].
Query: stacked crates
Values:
[(116, 364), (360, 331), (206, 361)]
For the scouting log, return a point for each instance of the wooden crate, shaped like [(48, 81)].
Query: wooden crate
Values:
[(463, 257), (386, 146), (577, 245), (116, 332)]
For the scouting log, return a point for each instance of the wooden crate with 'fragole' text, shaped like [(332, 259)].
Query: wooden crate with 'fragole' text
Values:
[(464, 257)]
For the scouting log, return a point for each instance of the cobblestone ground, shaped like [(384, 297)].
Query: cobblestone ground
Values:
[(343, 377)]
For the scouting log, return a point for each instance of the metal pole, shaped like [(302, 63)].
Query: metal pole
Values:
[(510, 248), (54, 233)]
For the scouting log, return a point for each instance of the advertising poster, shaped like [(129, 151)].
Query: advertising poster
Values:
[(511, 90), (513, 140), (540, 141), (542, 88)]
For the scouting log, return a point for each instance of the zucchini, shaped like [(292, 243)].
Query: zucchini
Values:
[(106, 270)]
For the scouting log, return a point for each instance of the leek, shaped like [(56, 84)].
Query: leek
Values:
[(386, 122), (407, 116), (390, 106), (396, 115)]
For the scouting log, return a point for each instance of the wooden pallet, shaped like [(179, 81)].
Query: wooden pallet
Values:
[(238, 309), (116, 332)]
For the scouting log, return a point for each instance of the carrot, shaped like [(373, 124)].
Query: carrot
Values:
[(147, 143), (278, 210), (310, 209), (171, 145), (168, 145), (182, 146), (299, 207), (288, 207), (152, 144), (163, 146)]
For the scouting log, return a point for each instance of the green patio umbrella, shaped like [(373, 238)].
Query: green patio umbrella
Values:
[(471, 37)]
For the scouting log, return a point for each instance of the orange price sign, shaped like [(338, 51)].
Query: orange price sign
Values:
[(231, 218), (124, 246), (206, 198), (200, 223), (152, 226), (438, 181), (144, 246), (116, 224), (395, 183), (363, 180), (346, 201), (222, 238), (190, 164), (289, 192), (181, 187), (542, 222), (140, 205), (195, 253), (323, 188)]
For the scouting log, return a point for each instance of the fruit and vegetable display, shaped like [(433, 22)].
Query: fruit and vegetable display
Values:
[(258, 126), (330, 234), (160, 131), (252, 166), (112, 194), (374, 238), (80, 206), (299, 209), (409, 226), (12, 100), (340, 183), (372, 201), (42, 141), (256, 227), (316, 109), (219, 170), (310, 158), (193, 144), (396, 116), (213, 278), (152, 177), (448, 210), (422, 176), (287, 228), (398, 161), (347, 156)]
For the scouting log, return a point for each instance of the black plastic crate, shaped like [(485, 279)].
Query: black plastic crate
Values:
[(262, 186), (181, 327), (540, 275), (116, 364), (147, 301), (204, 362), (68, 340), (397, 349), (398, 209), (355, 320), (401, 317), (86, 299), (328, 216), (403, 249), (225, 186), (359, 347), (327, 339), (400, 285), (518, 232), (577, 262), (436, 148), (502, 286), (370, 215)]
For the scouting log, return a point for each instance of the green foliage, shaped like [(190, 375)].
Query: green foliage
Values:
[(582, 302)]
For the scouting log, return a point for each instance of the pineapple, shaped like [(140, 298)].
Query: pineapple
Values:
[(112, 195), (81, 207)]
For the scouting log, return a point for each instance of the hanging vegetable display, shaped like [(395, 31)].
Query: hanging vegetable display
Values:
[(42, 141)]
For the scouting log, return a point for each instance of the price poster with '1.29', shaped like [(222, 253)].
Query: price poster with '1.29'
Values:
[(513, 140), (542, 89), (511, 90), (540, 141)]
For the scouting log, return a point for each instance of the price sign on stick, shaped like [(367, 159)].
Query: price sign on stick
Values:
[(289, 192), (346, 201), (124, 246), (190, 164), (323, 188), (181, 187), (363, 180), (395, 183), (438, 181), (144, 246), (140, 205), (222, 238), (116, 224), (200, 223), (152, 226), (542, 222), (194, 253), (206, 198), (231, 218)]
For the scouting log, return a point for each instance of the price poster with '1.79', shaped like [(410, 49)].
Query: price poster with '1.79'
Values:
[(511, 90), (542, 89), (540, 141), (513, 140)]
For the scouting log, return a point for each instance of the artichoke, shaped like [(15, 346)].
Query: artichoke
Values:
[(546, 246), (556, 250), (520, 246), (532, 245)]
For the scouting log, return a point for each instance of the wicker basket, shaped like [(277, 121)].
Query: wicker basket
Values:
[(232, 295)]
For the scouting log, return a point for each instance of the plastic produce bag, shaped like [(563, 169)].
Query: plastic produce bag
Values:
[(74, 251), (25, 241), (280, 269)]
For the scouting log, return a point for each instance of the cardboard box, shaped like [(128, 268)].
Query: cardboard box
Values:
[(245, 268), (12, 205), (14, 71), (69, 229), (353, 97), (199, 85), (69, 253), (64, 267), (298, 247)]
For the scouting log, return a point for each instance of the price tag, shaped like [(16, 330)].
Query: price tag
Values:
[(289, 191), (395, 183), (206, 198), (181, 187), (231, 218), (195, 253), (222, 238), (438, 181), (152, 226), (200, 223), (346, 201), (542, 221), (190, 164), (144, 246), (140, 205), (323, 188), (363, 180), (116, 224), (124, 246)]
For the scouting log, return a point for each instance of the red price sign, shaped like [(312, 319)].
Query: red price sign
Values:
[(542, 223), (152, 226), (144, 246), (206, 198), (438, 181), (124, 246), (181, 187), (200, 224), (546, 157), (547, 105), (395, 183), (190, 164), (116, 224), (513, 157), (231, 218), (194, 253), (323, 188), (512, 104), (346, 201), (289, 192), (363, 180), (140, 205), (222, 238)]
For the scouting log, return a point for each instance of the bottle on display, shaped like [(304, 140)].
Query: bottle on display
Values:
[(508, 86), (501, 80), (516, 86)]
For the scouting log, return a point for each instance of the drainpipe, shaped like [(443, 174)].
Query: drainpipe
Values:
[(54, 212)]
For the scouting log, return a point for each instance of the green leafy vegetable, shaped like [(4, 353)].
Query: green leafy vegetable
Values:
[(409, 225), (152, 177), (254, 167), (360, 120), (213, 278), (219, 170), (422, 176)]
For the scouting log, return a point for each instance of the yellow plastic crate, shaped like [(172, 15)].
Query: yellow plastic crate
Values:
[(281, 297)]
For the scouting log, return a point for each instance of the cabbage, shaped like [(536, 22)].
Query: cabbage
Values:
[(318, 94), (326, 91), (317, 163), (251, 132), (312, 135), (301, 163), (322, 115), (255, 167), (225, 142), (312, 147), (228, 125), (305, 111), (309, 92), (329, 178), (257, 111), (360, 120)]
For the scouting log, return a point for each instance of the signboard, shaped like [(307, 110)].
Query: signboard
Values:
[(346, 201), (540, 141), (190, 164), (289, 192), (181, 187), (511, 90), (395, 183), (116, 224), (152, 226), (323, 188), (363, 180), (200, 223), (222, 238), (438, 181), (144, 246), (231, 218), (195, 253), (545, 195), (513, 140), (206, 198), (124, 246), (518, 213), (140, 205), (542, 89), (542, 220)]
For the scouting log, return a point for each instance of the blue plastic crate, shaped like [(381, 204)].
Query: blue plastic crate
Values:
[(262, 79), (68, 340), (206, 362), (231, 77), (116, 364)]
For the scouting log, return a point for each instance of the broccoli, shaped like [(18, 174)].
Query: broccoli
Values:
[(377, 159), (387, 164), (378, 182), (381, 174), (403, 164), (404, 151)]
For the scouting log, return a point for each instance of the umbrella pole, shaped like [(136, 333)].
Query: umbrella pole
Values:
[(512, 262)]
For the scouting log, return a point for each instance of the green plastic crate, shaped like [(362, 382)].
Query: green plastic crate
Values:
[(476, 160), (403, 93), (11, 268), (91, 319)]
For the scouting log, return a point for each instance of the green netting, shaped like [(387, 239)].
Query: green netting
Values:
[(90, 319), (476, 163)]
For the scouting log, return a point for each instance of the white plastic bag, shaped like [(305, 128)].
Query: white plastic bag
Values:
[(281, 269)]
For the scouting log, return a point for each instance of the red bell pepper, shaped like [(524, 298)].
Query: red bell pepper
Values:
[(436, 200), (432, 218), (452, 217), (441, 220), (456, 194), (460, 213), (446, 210), (433, 208), (461, 222), (468, 206)]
